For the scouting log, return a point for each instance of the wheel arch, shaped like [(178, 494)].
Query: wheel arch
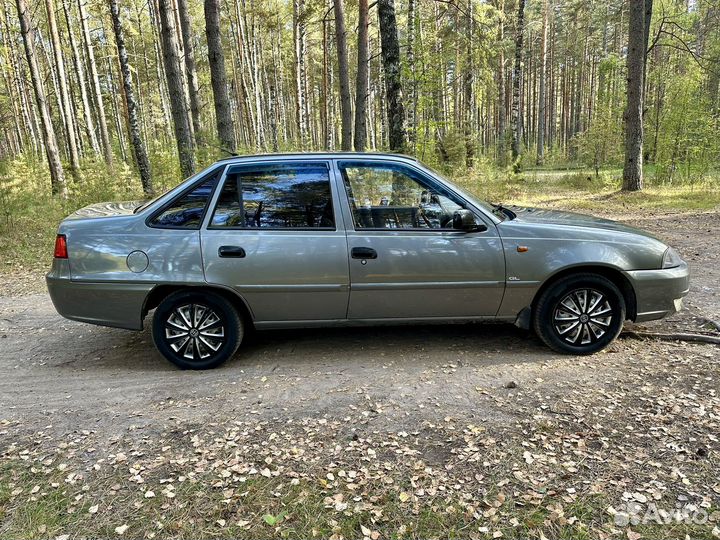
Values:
[(160, 292), (614, 274)]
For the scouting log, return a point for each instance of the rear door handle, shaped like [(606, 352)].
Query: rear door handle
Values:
[(363, 253), (235, 252)]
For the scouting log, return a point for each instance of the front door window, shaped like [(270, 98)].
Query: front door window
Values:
[(389, 196)]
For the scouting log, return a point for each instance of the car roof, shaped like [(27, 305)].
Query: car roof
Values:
[(317, 155)]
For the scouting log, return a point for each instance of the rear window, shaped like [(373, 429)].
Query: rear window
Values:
[(187, 210)]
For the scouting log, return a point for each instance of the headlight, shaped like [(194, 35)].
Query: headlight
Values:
[(671, 258)]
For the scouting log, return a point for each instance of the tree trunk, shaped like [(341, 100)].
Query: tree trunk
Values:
[(138, 147), (361, 84), (82, 81), (65, 105), (469, 111), (390, 48), (100, 107), (218, 77), (541, 91), (21, 119), (633, 117), (29, 117), (190, 70), (159, 69), (181, 120), (412, 115), (300, 75), (57, 177), (501, 109), (517, 128), (344, 76)]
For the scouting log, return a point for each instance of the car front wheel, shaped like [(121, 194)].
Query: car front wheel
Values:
[(197, 329), (580, 314)]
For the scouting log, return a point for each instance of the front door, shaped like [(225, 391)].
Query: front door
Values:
[(406, 260), (273, 236)]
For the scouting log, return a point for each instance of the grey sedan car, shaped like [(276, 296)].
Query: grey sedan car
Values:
[(333, 239)]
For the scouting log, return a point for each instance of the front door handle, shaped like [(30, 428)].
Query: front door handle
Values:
[(235, 252), (363, 253)]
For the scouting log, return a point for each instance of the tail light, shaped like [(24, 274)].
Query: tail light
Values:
[(61, 247)]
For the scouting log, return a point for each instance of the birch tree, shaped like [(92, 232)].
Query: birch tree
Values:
[(300, 73), (65, 105), (138, 147), (95, 78), (57, 177), (78, 64)]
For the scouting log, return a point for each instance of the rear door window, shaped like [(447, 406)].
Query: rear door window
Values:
[(276, 196)]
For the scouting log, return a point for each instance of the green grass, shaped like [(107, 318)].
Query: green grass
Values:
[(582, 190), (199, 510)]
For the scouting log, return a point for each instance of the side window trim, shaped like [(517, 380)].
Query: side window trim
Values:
[(217, 170), (212, 208), (429, 180)]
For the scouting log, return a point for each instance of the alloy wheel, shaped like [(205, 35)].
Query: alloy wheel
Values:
[(194, 331), (582, 316)]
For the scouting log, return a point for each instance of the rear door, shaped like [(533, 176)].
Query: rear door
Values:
[(406, 260), (275, 235)]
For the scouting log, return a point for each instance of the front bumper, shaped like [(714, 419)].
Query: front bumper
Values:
[(659, 293)]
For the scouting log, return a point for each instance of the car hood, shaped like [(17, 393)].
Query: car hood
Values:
[(571, 219), (106, 209)]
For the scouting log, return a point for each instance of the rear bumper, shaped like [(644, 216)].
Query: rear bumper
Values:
[(659, 293), (107, 304)]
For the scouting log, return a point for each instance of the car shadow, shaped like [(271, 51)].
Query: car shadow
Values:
[(425, 344), (109, 349)]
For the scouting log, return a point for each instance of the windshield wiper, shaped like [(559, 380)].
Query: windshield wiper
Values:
[(500, 210)]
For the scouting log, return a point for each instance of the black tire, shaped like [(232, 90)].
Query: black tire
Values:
[(568, 325), (189, 325)]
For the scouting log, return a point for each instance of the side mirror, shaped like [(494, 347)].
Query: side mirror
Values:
[(465, 220)]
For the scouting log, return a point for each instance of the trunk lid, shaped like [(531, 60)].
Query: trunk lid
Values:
[(105, 209)]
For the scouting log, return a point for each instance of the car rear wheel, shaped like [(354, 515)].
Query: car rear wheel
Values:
[(197, 329), (580, 314)]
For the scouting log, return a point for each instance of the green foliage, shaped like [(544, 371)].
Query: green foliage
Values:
[(601, 145), (274, 520), (687, 141), (451, 149)]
